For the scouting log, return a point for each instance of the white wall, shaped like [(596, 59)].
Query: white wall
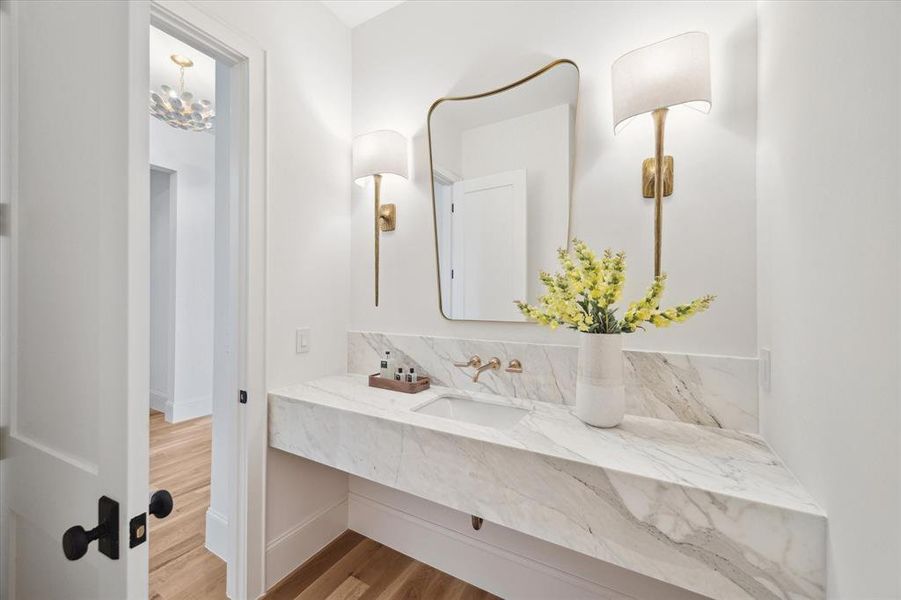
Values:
[(308, 283), (192, 156), (406, 58), (828, 163), (160, 253)]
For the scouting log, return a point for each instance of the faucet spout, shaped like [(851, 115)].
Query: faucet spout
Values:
[(493, 364)]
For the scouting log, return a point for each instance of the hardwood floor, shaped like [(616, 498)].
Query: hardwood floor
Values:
[(181, 568), (352, 567)]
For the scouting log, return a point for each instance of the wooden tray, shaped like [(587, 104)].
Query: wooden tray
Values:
[(376, 380)]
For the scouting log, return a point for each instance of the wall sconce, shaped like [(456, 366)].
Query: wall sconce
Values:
[(651, 79), (376, 154)]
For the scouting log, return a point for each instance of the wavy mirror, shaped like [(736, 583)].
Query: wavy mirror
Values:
[(501, 181)]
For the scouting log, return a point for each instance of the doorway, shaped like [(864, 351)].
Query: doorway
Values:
[(240, 281), (191, 321)]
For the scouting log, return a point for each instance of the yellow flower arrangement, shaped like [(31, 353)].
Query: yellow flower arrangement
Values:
[(583, 294)]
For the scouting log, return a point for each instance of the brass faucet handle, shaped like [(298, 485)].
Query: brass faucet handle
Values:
[(515, 366), (474, 361)]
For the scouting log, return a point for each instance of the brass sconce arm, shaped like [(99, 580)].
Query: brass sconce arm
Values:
[(385, 220), (659, 181)]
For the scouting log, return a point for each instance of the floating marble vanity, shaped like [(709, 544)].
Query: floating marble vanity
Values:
[(710, 510)]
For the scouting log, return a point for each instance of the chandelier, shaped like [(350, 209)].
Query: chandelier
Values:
[(178, 108)]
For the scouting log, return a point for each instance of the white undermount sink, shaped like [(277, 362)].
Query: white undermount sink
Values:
[(461, 408)]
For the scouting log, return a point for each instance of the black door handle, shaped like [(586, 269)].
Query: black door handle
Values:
[(76, 539), (160, 504)]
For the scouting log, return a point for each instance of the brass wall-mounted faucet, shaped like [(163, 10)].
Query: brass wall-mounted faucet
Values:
[(494, 364)]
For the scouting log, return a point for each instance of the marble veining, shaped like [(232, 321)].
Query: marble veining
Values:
[(717, 391), (708, 509)]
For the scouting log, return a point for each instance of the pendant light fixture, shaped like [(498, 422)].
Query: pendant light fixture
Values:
[(178, 107)]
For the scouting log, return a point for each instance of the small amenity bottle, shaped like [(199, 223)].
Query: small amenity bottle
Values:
[(386, 366), (399, 375), (411, 376)]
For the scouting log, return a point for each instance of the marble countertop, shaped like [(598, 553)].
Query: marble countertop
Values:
[(708, 509)]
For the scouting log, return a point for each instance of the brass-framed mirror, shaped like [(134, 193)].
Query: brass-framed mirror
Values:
[(501, 166)]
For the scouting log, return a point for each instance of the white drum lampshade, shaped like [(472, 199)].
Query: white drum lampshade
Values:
[(668, 73), (379, 153)]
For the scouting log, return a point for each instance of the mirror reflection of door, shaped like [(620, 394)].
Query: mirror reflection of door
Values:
[(502, 171), (488, 246)]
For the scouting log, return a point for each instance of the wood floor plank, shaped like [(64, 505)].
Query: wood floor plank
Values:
[(397, 584), (386, 566), (329, 581), (350, 589), (415, 585)]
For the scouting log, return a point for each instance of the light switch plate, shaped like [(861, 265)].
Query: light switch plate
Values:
[(302, 340)]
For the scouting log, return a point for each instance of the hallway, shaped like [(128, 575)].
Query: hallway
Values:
[(180, 565)]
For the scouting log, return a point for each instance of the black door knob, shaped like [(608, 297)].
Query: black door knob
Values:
[(77, 539), (160, 504)]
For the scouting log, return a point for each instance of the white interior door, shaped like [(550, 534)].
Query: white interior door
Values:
[(79, 259), (489, 231)]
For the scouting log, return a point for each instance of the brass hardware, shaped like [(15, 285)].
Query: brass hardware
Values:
[(378, 212), (388, 217), (476, 522), (514, 367), (648, 171), (182, 61), (473, 361), (492, 365), (659, 178), (385, 220), (439, 101)]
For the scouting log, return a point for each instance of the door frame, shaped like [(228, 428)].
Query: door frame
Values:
[(171, 260), (247, 455)]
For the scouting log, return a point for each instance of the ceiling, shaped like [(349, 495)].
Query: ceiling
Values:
[(355, 12), (200, 79)]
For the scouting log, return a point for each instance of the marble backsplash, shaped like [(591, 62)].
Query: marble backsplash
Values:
[(717, 391)]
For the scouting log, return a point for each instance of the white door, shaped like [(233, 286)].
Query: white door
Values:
[(488, 239), (79, 297)]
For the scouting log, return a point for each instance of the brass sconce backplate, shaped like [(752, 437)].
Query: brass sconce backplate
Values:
[(387, 217), (648, 169)]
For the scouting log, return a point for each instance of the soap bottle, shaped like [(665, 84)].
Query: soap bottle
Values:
[(387, 366), (411, 376), (399, 375)]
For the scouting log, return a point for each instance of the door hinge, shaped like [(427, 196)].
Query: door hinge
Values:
[(242, 397), (452, 207), (452, 273)]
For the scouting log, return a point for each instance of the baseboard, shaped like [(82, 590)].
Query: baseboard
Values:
[(293, 548), (183, 410), (216, 534), (158, 401)]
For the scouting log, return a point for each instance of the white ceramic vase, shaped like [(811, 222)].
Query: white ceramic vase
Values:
[(600, 392)]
